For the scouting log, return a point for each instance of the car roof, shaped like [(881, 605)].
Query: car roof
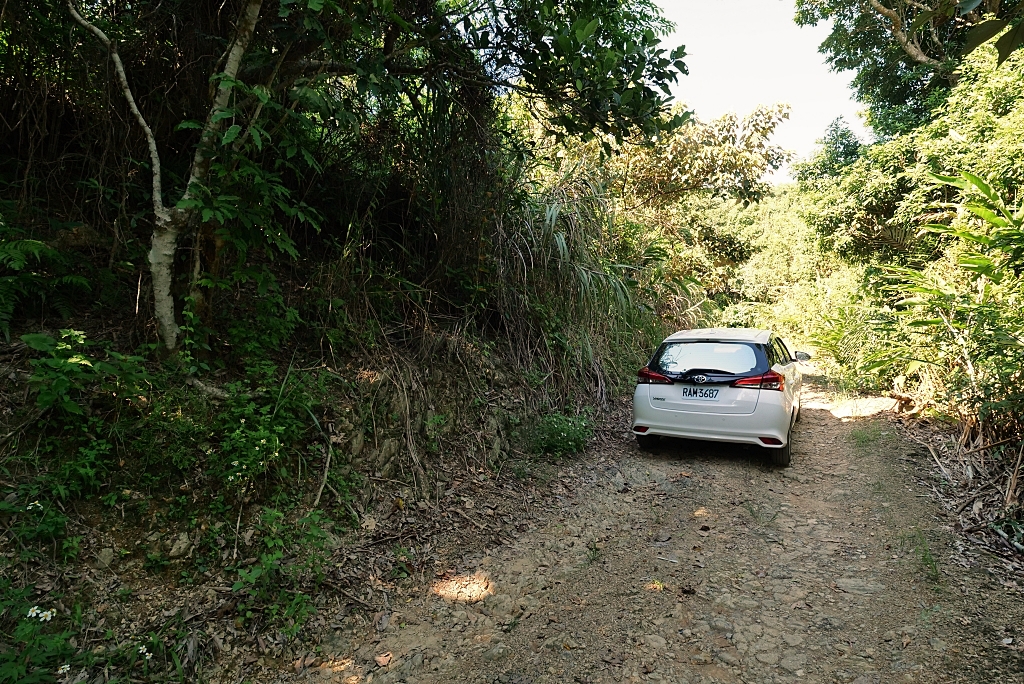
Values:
[(722, 335)]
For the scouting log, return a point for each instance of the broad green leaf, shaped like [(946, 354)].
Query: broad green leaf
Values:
[(982, 33), (1010, 41), (987, 215), (585, 32), (188, 124), (982, 186), (39, 342)]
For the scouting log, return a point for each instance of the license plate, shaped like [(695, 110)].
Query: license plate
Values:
[(701, 393)]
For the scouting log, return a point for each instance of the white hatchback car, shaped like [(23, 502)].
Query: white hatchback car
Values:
[(720, 384)]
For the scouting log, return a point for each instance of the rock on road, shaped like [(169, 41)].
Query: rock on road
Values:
[(700, 563)]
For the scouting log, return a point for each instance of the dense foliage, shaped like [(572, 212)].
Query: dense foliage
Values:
[(262, 261), (905, 54)]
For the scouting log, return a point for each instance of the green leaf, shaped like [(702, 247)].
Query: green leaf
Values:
[(230, 134), (188, 124), (585, 32), (965, 6), (982, 33), (982, 186), (71, 407), (987, 215), (921, 19), (1010, 41), (39, 342)]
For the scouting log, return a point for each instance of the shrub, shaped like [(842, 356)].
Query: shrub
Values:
[(67, 372), (560, 435)]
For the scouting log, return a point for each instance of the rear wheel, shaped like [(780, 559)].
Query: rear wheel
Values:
[(647, 442), (781, 457)]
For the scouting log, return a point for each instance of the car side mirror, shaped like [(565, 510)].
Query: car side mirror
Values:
[(803, 356)]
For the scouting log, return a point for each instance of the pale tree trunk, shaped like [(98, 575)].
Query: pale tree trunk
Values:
[(169, 224)]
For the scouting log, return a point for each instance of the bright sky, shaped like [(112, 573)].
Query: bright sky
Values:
[(742, 53)]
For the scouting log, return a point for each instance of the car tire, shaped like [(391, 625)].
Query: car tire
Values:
[(647, 442), (782, 457)]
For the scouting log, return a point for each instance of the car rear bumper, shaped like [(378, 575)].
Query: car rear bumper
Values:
[(769, 420)]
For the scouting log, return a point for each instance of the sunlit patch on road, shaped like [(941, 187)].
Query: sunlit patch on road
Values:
[(464, 588)]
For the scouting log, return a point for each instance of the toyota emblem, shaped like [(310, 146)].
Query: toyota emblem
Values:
[(700, 379)]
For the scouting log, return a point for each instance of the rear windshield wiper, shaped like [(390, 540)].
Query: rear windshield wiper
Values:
[(713, 371)]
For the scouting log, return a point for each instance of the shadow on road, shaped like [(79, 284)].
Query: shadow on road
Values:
[(679, 450)]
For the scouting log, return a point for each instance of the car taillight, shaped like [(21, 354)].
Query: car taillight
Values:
[(769, 381), (648, 377)]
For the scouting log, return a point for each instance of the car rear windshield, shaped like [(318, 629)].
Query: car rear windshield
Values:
[(723, 357)]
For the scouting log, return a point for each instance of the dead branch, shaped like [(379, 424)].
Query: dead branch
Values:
[(208, 390)]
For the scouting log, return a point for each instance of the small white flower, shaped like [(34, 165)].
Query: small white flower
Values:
[(34, 506), (234, 463), (63, 669), (143, 650), (242, 421), (34, 611), (149, 656), (47, 615), (263, 441)]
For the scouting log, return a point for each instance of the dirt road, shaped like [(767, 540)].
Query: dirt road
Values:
[(701, 564)]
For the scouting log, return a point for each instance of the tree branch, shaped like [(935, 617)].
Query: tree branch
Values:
[(910, 47), (243, 34), (154, 155)]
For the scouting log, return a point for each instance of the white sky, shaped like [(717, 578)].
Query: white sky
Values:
[(742, 53)]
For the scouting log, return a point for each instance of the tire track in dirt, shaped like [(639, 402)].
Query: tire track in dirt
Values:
[(700, 563)]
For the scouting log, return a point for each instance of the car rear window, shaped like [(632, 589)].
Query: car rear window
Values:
[(725, 357)]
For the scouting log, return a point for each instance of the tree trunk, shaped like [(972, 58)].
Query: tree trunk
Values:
[(171, 223), (161, 267)]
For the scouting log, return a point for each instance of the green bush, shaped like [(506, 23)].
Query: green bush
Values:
[(559, 435), (67, 374)]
